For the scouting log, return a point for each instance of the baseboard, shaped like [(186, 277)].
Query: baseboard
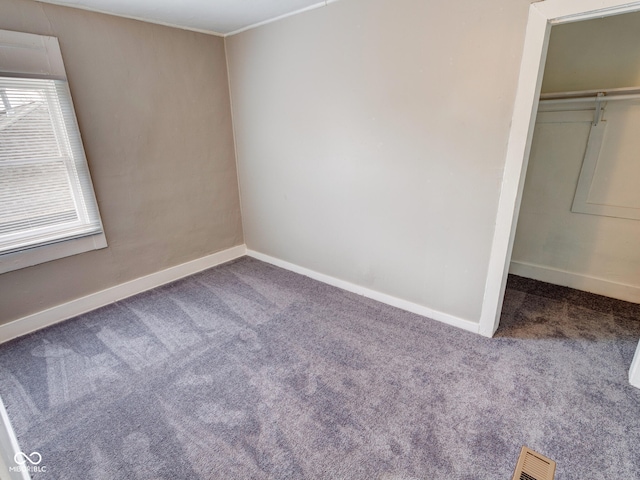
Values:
[(600, 286), (366, 292), (82, 305)]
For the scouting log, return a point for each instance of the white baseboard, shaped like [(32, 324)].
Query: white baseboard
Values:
[(600, 286), (366, 292), (82, 305)]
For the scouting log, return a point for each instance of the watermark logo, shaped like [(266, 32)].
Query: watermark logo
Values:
[(28, 463), (22, 458)]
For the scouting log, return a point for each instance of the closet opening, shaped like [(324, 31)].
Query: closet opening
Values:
[(576, 208)]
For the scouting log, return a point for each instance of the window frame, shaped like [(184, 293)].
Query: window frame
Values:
[(27, 55)]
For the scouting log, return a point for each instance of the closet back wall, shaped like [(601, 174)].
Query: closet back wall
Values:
[(153, 107)]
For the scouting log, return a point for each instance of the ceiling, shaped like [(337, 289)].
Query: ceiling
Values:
[(220, 17)]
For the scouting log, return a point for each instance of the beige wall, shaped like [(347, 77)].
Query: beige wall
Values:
[(593, 54), (153, 107), (589, 252), (371, 139)]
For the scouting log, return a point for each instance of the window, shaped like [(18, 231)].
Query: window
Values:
[(47, 205)]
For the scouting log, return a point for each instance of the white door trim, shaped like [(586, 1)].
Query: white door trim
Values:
[(8, 449), (523, 122), (634, 371), (542, 16)]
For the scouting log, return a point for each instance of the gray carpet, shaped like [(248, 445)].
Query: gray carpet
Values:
[(247, 371)]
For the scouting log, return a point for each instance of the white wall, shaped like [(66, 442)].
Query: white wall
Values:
[(595, 253), (371, 139)]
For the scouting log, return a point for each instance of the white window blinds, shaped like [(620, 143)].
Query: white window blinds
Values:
[(45, 189)]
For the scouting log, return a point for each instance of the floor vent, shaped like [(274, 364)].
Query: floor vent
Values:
[(533, 466)]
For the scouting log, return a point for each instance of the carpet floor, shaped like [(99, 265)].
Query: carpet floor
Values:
[(248, 371)]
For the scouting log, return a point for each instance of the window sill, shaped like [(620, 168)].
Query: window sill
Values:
[(34, 256)]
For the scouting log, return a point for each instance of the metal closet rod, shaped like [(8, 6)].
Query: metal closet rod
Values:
[(587, 95)]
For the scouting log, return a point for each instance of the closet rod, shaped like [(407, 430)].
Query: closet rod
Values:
[(605, 98), (587, 95)]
